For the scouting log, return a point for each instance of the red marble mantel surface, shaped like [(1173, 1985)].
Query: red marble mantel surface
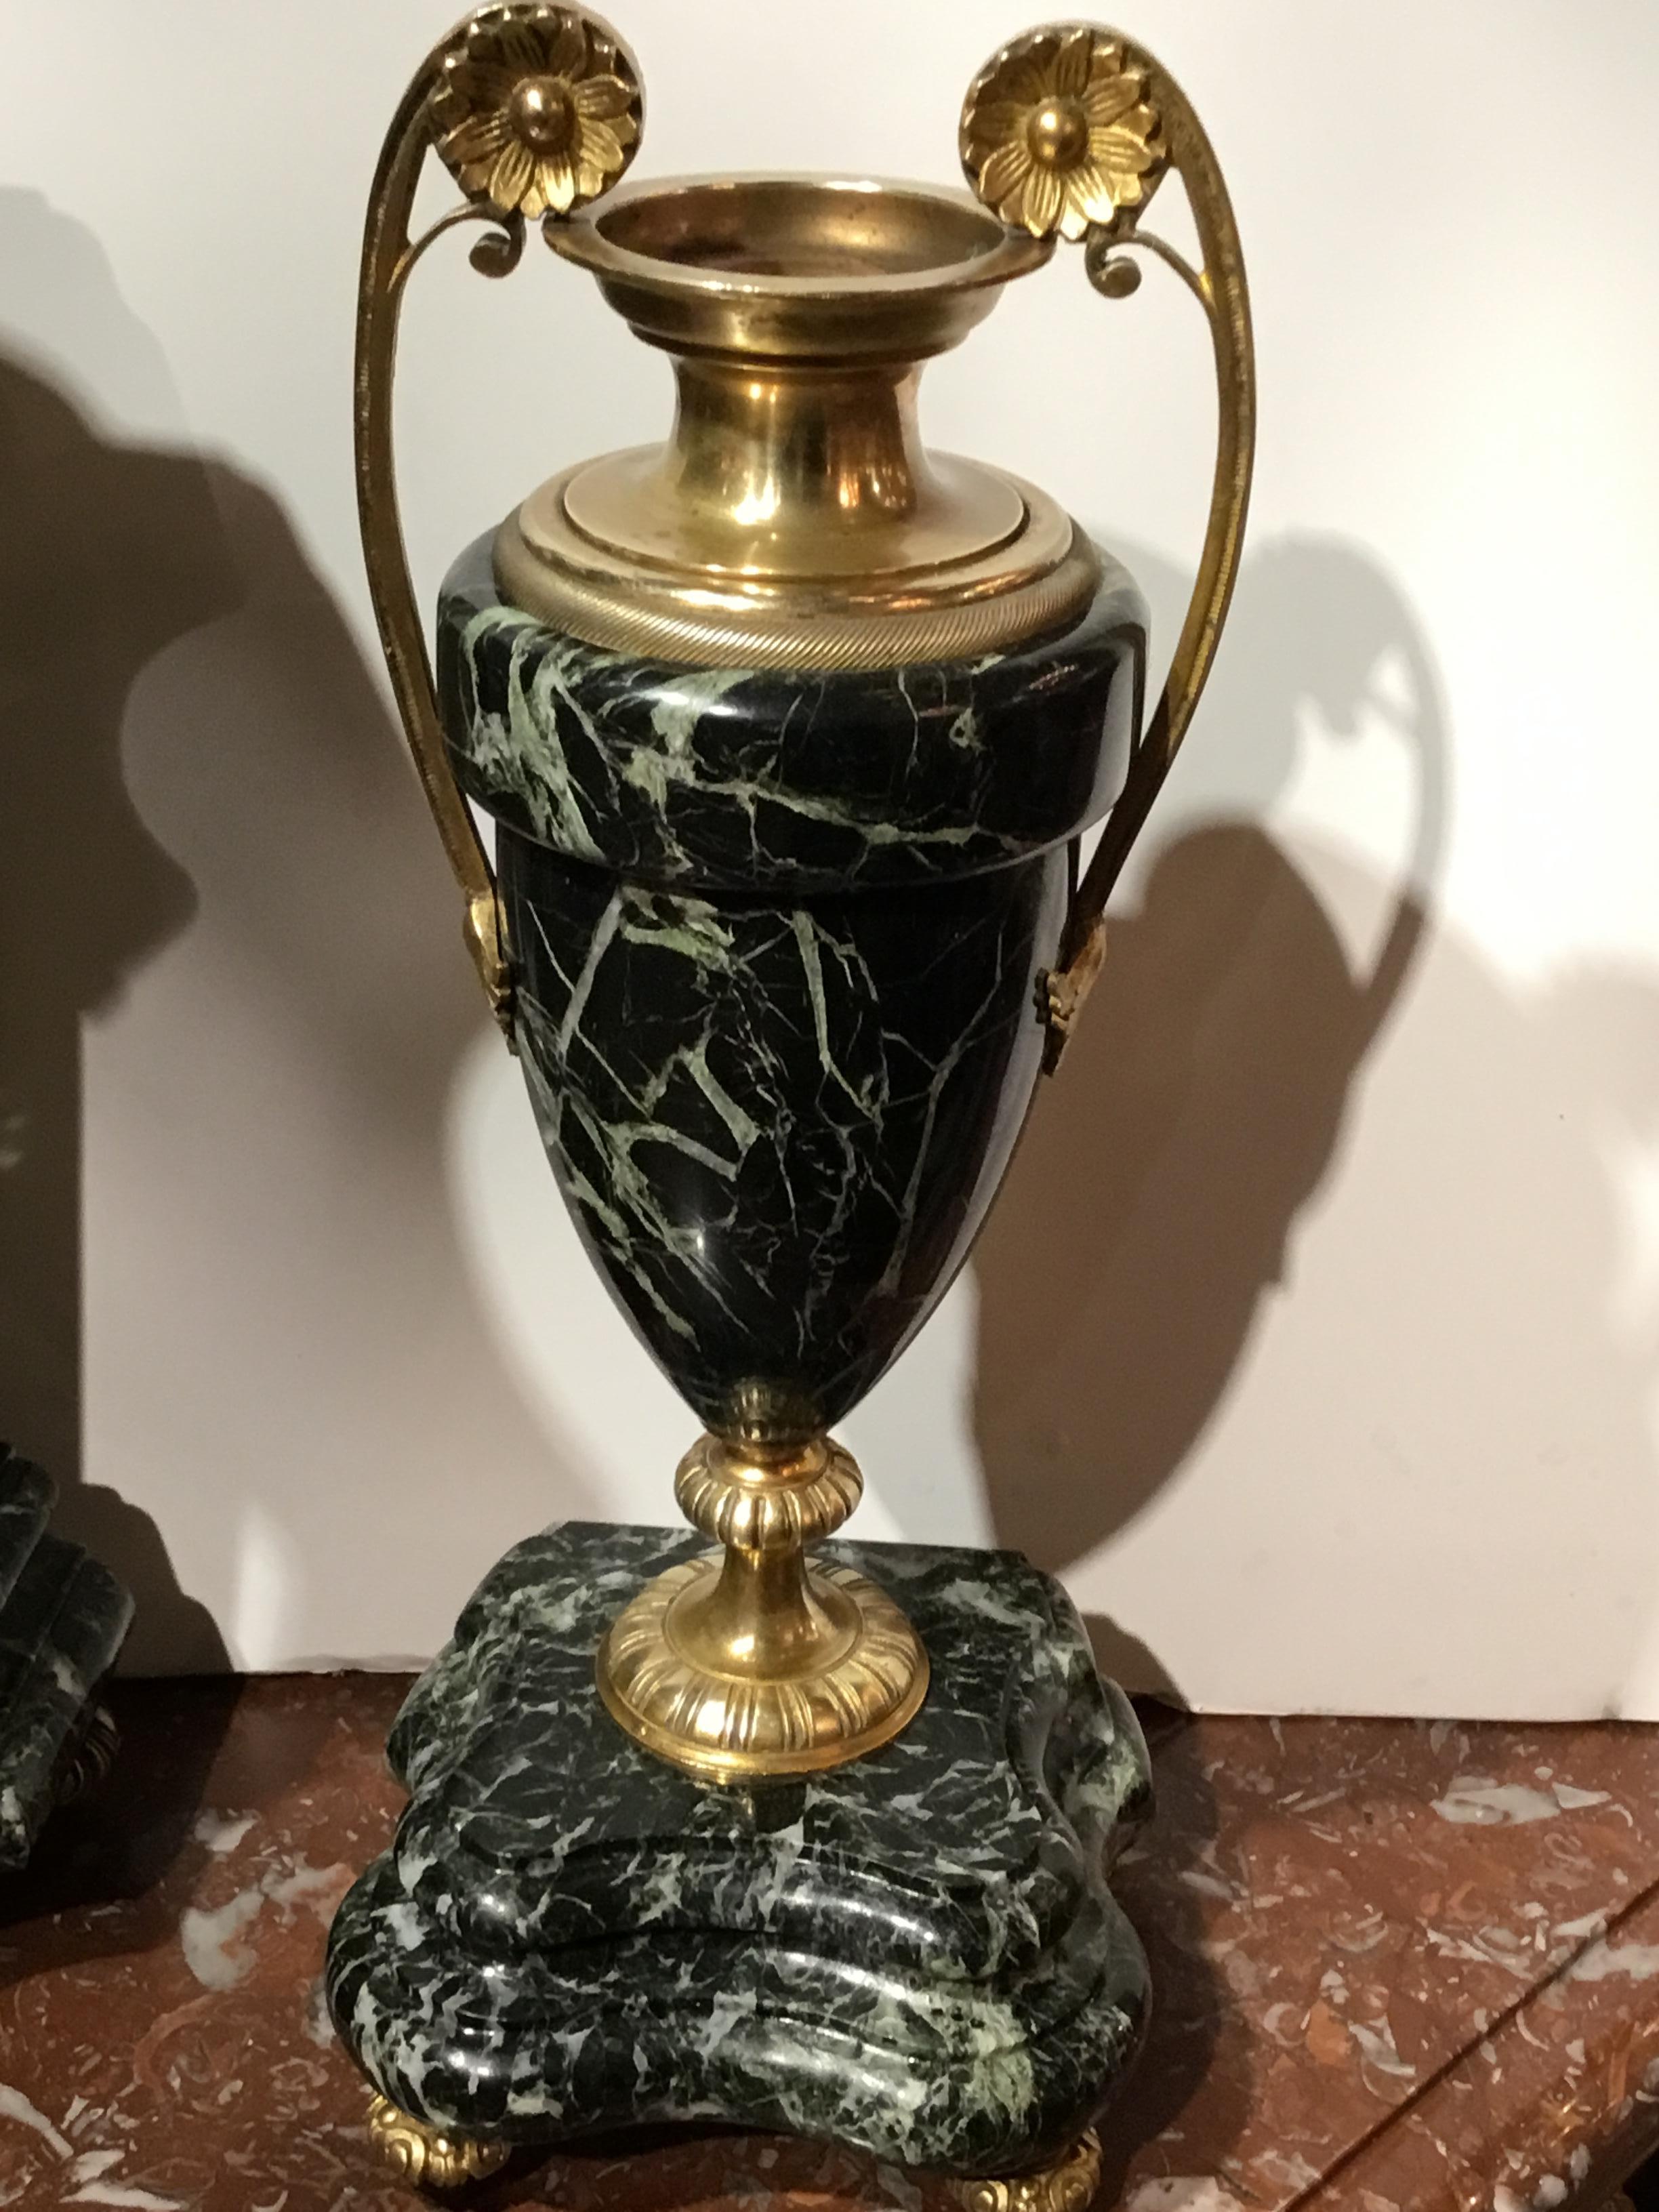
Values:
[(1401, 1967)]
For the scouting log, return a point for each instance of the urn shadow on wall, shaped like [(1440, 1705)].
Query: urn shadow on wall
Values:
[(789, 730)]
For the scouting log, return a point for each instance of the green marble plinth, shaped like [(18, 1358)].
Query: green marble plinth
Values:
[(63, 1618), (915, 1955)]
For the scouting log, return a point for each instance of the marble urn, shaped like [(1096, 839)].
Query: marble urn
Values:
[(788, 733)]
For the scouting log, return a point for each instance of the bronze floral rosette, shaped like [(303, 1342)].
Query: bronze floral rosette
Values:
[(537, 110), (1057, 133)]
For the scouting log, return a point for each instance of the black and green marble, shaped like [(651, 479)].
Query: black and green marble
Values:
[(917, 1954), (63, 1619), (768, 779), (778, 941), (778, 1128)]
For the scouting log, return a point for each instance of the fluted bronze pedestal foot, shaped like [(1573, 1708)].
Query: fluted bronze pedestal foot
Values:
[(751, 1663), (426, 2157), (1068, 2186)]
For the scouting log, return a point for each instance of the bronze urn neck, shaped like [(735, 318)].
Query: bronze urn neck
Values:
[(793, 517)]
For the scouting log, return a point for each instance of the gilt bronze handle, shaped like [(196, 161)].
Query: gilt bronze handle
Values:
[(534, 110), (1068, 132)]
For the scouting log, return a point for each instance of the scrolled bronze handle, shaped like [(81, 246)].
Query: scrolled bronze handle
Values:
[(1068, 132), (534, 109)]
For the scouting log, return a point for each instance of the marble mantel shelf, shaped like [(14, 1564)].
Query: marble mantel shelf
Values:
[(1402, 1967)]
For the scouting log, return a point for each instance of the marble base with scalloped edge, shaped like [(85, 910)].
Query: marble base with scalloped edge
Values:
[(916, 1955)]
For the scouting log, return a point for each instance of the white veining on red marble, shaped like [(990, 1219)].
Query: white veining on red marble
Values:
[(1364, 2006)]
